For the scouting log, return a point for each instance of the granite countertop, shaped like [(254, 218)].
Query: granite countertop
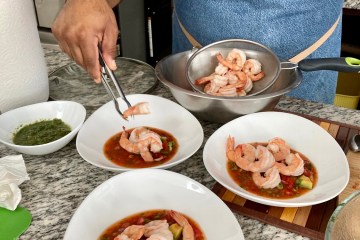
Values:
[(353, 4), (60, 181)]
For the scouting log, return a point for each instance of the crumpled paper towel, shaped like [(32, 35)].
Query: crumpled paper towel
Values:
[(12, 174)]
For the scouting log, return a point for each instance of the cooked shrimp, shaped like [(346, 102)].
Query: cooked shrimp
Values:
[(149, 140), (236, 56), (230, 148), (244, 156), (126, 144), (221, 69), (133, 232), (158, 230), (230, 65), (279, 148), (188, 232), (257, 77), (227, 91), (270, 179), (220, 81), (232, 78), (205, 79), (293, 166), (252, 66), (241, 76), (247, 151), (135, 134), (248, 85), (137, 109), (264, 160)]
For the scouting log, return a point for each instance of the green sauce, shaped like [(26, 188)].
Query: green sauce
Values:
[(41, 132)]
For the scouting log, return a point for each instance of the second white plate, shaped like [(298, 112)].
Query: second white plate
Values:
[(302, 135)]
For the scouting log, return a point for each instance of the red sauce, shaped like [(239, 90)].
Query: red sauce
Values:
[(288, 187), (144, 217), (115, 153)]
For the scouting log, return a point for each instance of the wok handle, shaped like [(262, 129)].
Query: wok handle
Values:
[(344, 64)]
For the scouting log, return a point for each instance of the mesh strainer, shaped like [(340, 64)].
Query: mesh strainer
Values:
[(203, 62)]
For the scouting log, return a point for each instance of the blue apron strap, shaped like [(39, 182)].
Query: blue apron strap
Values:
[(300, 56)]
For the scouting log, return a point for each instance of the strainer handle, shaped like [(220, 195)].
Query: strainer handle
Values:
[(288, 65)]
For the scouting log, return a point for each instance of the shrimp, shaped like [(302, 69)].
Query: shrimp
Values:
[(230, 148), (133, 232), (230, 65), (137, 109), (135, 134), (236, 56), (220, 81), (221, 69), (241, 92), (256, 77), (232, 78), (293, 166), (206, 79), (244, 156), (149, 140), (228, 91), (270, 179), (126, 144), (158, 230), (264, 160), (247, 151), (252, 66), (188, 232), (248, 85), (279, 148)]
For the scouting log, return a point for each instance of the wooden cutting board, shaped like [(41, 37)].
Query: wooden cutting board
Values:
[(308, 221)]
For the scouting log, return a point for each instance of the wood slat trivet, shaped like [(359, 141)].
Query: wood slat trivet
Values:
[(308, 221)]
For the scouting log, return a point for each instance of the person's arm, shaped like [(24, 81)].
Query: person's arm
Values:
[(81, 25)]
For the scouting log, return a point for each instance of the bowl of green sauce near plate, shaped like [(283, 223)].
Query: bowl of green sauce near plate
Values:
[(41, 128)]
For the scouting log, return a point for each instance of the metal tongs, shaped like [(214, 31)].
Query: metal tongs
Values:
[(107, 72)]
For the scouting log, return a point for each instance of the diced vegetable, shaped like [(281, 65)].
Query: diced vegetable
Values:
[(304, 182), (170, 145), (176, 230)]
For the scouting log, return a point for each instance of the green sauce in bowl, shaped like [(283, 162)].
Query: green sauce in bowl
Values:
[(41, 132)]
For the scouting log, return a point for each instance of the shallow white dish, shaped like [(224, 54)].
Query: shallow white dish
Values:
[(146, 189), (165, 115), (302, 135), (71, 113)]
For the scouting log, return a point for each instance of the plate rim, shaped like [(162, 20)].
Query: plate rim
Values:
[(157, 172), (269, 201), (117, 168)]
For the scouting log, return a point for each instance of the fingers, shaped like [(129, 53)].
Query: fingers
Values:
[(109, 44), (90, 57), (80, 26)]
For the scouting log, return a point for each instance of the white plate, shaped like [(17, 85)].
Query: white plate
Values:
[(302, 135), (165, 115), (146, 189)]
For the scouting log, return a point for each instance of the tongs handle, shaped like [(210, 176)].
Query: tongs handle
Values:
[(106, 70), (113, 77)]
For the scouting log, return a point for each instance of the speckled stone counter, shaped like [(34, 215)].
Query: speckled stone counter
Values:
[(60, 181), (353, 4)]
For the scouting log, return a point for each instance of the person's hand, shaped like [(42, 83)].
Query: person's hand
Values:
[(80, 27)]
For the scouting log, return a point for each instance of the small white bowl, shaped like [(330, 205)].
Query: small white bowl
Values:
[(147, 189), (71, 113)]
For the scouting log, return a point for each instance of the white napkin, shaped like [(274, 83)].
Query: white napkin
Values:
[(12, 174)]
